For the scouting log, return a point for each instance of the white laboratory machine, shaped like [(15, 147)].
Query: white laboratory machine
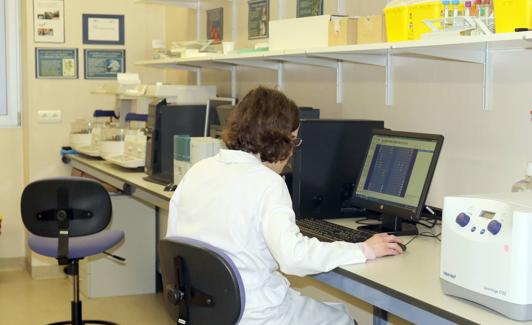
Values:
[(190, 150), (486, 252)]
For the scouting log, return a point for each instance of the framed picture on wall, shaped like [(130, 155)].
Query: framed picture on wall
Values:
[(104, 64), (258, 19), (49, 21), (215, 25), (52, 63), (306, 8), (103, 29)]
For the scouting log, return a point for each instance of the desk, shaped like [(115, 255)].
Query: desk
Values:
[(407, 285)]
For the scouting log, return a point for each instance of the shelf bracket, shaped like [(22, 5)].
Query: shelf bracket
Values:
[(233, 81), (369, 59), (251, 63), (443, 53), (339, 82), (487, 86), (198, 76), (306, 60), (389, 79), (280, 76)]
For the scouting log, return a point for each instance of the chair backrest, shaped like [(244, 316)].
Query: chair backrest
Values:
[(83, 203), (201, 283)]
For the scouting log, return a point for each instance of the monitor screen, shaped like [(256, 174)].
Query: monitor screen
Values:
[(211, 116), (397, 172)]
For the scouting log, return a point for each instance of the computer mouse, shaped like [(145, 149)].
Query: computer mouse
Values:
[(170, 187), (403, 246)]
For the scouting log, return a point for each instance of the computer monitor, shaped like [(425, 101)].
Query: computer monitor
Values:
[(326, 164), (309, 113), (211, 115), (395, 178)]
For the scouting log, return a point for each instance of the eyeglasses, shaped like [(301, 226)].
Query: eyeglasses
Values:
[(297, 142)]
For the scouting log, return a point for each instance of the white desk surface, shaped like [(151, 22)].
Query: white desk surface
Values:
[(412, 277), (115, 175)]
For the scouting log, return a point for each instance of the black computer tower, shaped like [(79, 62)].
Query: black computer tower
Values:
[(165, 121), (326, 165)]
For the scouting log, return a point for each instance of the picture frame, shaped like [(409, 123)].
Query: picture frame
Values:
[(306, 8), (56, 63), (258, 19), (49, 21), (215, 25), (103, 29), (101, 64)]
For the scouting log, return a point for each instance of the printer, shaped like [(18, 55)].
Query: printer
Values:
[(486, 252)]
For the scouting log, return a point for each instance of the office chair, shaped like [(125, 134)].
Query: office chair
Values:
[(66, 218), (200, 282)]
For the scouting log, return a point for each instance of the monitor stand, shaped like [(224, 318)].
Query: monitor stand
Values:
[(393, 225)]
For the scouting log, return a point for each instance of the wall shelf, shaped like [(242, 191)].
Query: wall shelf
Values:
[(474, 49)]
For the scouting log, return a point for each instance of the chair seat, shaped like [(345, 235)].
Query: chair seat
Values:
[(78, 247)]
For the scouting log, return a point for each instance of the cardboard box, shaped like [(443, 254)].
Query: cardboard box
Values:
[(312, 32), (325, 31), (371, 29)]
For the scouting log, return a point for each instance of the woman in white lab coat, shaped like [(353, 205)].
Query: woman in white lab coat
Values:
[(237, 201)]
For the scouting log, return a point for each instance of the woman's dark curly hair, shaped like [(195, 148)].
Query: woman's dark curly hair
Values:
[(262, 123)]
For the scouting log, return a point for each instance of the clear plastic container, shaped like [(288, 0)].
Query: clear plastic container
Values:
[(524, 185)]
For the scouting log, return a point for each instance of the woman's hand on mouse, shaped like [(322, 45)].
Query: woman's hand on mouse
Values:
[(384, 244)]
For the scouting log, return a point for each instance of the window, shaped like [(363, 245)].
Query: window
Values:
[(10, 72)]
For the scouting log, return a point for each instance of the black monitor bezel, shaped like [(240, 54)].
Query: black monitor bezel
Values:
[(230, 100), (389, 208)]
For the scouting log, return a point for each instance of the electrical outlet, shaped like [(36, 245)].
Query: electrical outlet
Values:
[(49, 116)]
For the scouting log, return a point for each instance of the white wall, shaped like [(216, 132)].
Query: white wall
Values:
[(483, 151), (41, 142)]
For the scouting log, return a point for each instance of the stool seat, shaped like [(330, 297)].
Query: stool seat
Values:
[(78, 247)]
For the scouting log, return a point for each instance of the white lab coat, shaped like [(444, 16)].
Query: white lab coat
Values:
[(234, 202)]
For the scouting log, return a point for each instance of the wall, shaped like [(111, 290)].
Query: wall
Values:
[(433, 96), (11, 174), (43, 141)]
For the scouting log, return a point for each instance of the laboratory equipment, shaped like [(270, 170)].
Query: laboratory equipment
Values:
[(485, 251), (326, 164), (524, 185), (165, 121), (190, 150), (127, 147), (85, 136), (395, 178)]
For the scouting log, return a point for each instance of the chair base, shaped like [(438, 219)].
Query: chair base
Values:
[(84, 322)]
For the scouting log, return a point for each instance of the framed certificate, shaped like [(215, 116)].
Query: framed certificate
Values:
[(58, 63), (215, 25), (104, 64), (103, 29), (49, 21), (258, 19), (307, 8)]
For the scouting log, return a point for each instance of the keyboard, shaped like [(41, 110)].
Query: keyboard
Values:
[(329, 232)]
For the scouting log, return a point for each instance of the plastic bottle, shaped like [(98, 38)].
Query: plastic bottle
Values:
[(456, 12), (476, 8), (446, 10), (480, 9), (467, 12), (524, 185)]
